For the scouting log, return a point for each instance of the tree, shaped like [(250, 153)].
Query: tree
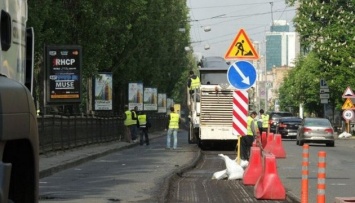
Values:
[(301, 86), (136, 40), (326, 28)]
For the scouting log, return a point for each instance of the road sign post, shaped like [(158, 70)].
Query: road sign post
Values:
[(348, 115), (240, 114), (241, 48), (348, 107), (241, 75), (323, 94)]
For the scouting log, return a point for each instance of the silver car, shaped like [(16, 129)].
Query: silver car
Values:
[(315, 130)]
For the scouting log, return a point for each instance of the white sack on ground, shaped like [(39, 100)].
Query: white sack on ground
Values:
[(234, 170), (344, 135), (243, 163), (219, 175)]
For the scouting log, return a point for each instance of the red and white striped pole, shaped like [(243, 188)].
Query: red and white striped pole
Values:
[(305, 164), (240, 114), (321, 177)]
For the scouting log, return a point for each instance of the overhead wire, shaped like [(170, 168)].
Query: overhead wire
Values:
[(241, 17), (210, 18), (237, 5), (198, 30), (238, 17)]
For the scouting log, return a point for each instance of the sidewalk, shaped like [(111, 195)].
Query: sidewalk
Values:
[(54, 162)]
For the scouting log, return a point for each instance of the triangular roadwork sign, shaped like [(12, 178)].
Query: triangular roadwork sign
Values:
[(241, 48), (348, 93), (348, 104)]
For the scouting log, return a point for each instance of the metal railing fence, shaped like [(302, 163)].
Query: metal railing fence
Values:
[(62, 132)]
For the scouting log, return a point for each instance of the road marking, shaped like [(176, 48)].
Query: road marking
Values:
[(338, 184)]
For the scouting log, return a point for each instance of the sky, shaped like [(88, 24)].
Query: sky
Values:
[(227, 17)]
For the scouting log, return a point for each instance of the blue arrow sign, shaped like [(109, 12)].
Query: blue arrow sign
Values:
[(241, 75)]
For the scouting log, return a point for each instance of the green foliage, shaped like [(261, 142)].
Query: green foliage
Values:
[(327, 38), (138, 40), (302, 85)]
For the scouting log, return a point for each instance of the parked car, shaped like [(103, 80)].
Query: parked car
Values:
[(315, 130), (288, 126), (274, 119)]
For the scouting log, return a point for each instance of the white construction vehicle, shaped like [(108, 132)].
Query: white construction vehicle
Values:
[(18, 120), (211, 106)]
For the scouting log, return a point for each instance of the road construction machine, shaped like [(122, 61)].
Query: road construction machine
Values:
[(211, 105), (18, 119)]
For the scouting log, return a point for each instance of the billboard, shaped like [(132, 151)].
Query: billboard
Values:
[(63, 74), (135, 95), (103, 92), (150, 101), (161, 103)]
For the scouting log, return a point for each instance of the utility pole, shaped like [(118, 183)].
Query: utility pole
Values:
[(272, 14)]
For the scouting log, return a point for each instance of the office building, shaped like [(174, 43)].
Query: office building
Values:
[(282, 46)]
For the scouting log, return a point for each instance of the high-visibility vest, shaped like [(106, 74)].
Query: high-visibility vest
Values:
[(249, 121), (174, 120), (265, 119), (142, 119), (195, 83), (128, 121)]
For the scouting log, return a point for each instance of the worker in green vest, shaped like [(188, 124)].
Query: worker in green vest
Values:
[(173, 127), (130, 120), (264, 120), (143, 125), (193, 82), (127, 122), (248, 139)]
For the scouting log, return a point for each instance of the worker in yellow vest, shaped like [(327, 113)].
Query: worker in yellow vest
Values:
[(173, 127), (193, 82), (264, 121), (143, 125), (127, 116), (248, 139), (130, 120)]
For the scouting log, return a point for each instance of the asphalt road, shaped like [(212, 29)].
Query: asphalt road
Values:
[(340, 165), (135, 174), (197, 184), (132, 173)]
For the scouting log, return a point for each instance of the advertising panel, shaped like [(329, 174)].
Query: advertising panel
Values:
[(150, 99), (169, 103), (63, 74), (135, 95), (161, 103), (103, 92)]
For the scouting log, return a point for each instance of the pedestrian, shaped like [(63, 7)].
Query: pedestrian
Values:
[(193, 82), (248, 139), (264, 120), (173, 127), (143, 125), (127, 122)]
